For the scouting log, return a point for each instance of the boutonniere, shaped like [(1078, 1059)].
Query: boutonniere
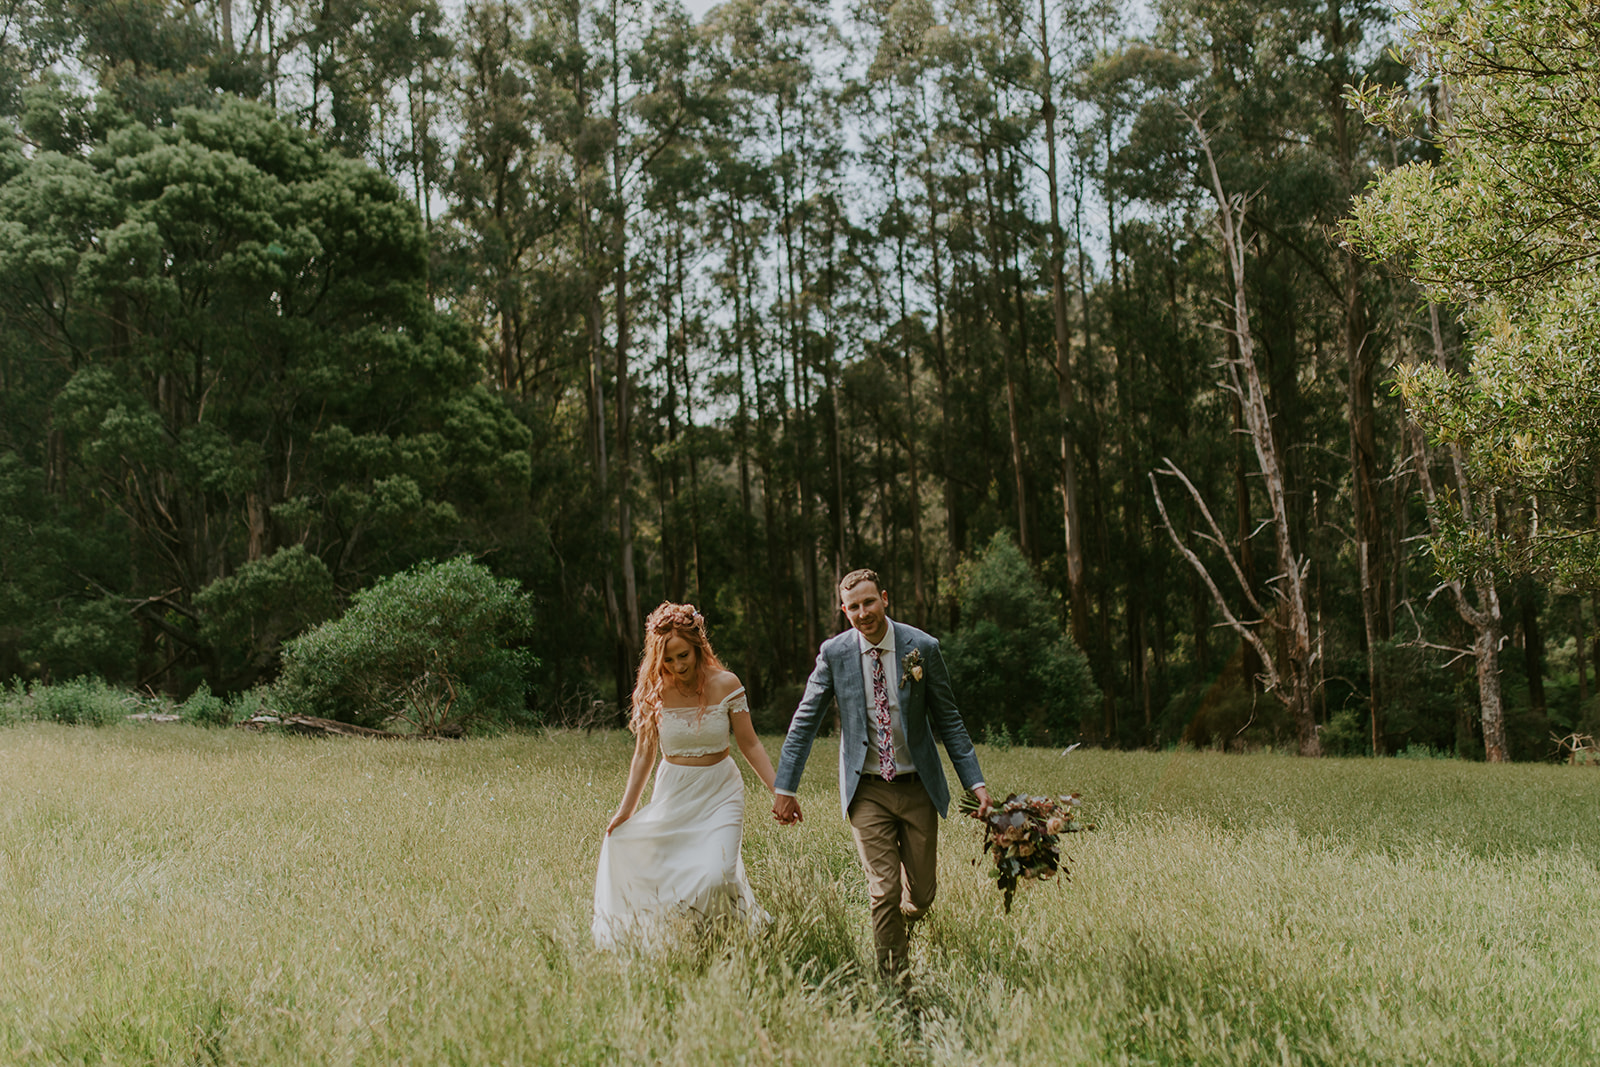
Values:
[(913, 667)]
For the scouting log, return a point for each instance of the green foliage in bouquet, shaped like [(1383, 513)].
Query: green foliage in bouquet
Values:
[(1023, 834), (433, 648)]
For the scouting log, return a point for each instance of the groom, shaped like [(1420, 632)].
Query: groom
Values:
[(894, 704)]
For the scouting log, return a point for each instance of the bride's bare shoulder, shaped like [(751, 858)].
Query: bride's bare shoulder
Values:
[(721, 685)]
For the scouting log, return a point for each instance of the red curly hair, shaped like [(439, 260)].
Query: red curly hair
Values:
[(667, 621)]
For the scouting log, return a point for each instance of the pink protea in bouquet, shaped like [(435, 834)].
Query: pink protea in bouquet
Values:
[(1023, 834)]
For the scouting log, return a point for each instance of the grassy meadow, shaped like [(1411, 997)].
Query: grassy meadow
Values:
[(179, 895)]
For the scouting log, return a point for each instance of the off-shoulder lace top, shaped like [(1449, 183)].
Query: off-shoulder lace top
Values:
[(691, 732)]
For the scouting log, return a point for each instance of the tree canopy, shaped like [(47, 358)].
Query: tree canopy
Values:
[(1503, 229), (629, 306)]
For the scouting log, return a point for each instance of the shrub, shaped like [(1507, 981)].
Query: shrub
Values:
[(205, 708), (1016, 671), (82, 701), (1416, 750), (249, 614), (997, 736), (14, 704), (1346, 734), (432, 648)]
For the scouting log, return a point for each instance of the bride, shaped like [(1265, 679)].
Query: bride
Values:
[(678, 857)]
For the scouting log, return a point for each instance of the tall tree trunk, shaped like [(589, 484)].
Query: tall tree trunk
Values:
[(1360, 361), (690, 448), (594, 316), (256, 524), (600, 458), (913, 475), (1579, 637), (1004, 339), (631, 620), (1065, 399), (1532, 647), (668, 481), (794, 267), (1244, 525), (742, 355), (1485, 615), (1486, 654), (835, 428), (941, 355), (417, 116), (1016, 368)]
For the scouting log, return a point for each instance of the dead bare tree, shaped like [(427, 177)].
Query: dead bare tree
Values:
[(1288, 668)]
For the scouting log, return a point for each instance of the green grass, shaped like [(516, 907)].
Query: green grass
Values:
[(178, 895)]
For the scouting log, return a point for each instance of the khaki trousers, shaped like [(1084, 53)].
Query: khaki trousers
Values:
[(897, 833)]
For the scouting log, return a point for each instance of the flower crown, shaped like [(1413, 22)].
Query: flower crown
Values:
[(671, 617)]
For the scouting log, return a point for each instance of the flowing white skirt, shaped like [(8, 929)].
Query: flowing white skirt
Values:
[(676, 860)]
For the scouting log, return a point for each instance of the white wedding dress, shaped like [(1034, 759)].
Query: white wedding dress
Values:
[(678, 857)]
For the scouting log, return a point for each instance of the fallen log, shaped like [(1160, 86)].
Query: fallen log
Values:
[(1581, 749), (313, 726), (307, 724)]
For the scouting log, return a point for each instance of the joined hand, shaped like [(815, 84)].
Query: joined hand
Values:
[(786, 810)]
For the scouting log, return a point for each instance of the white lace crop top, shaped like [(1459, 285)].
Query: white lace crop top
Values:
[(691, 732)]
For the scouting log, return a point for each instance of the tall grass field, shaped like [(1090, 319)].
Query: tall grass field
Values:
[(176, 895)]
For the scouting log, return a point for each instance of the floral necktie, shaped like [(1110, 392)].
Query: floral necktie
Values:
[(880, 703)]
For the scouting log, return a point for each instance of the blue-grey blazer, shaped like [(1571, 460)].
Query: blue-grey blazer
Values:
[(927, 709)]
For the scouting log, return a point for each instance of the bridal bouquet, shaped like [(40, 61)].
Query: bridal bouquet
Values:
[(1023, 834)]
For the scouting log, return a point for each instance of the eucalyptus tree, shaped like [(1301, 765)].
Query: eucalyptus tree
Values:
[(731, 225), (1500, 229), (892, 106), (1049, 38), (671, 435), (1268, 79), (145, 59), (989, 127), (1145, 364), (505, 247), (364, 74), (506, 258), (34, 37), (778, 161), (911, 98), (794, 107), (246, 356), (612, 87), (1348, 31)]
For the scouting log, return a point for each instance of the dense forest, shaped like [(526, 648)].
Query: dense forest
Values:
[(1258, 329)]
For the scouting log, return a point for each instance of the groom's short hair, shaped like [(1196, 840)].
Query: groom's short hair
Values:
[(856, 577)]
